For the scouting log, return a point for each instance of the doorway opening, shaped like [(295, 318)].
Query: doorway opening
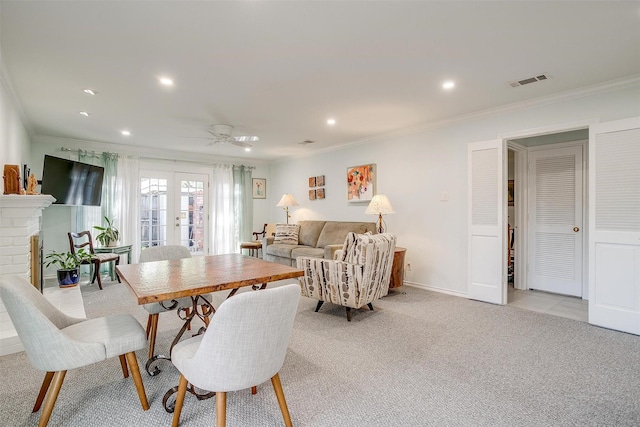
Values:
[(546, 219)]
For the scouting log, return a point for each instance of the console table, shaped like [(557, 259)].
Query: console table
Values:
[(120, 250), (397, 269)]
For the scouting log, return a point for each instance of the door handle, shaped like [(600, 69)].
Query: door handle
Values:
[(576, 229)]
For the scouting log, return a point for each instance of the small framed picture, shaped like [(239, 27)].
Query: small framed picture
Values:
[(320, 180), (312, 182), (320, 193), (312, 194), (259, 186)]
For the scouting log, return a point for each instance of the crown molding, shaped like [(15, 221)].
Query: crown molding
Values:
[(627, 82)]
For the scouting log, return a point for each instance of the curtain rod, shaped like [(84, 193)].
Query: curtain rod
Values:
[(94, 154)]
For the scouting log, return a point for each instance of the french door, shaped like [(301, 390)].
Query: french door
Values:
[(174, 210)]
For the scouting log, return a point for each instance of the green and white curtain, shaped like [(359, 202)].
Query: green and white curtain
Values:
[(231, 208), (89, 216), (243, 203)]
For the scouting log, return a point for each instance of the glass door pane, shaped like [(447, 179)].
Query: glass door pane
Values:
[(191, 218), (153, 211)]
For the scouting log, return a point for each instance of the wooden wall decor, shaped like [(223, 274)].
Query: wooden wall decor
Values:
[(11, 179)]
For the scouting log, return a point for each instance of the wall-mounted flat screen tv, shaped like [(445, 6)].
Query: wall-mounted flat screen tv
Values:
[(72, 183)]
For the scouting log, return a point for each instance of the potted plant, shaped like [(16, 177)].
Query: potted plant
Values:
[(68, 266), (108, 235)]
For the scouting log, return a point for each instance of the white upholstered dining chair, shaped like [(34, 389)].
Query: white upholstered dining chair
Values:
[(55, 342), (245, 344), (164, 253)]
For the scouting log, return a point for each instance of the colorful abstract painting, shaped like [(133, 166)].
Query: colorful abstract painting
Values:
[(360, 183)]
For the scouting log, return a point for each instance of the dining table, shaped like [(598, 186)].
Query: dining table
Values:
[(165, 281)]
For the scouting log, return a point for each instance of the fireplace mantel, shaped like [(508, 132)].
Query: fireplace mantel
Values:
[(19, 201)]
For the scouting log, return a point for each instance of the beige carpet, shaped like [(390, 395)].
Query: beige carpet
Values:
[(420, 359)]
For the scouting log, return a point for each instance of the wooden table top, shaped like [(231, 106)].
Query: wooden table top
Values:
[(165, 280)]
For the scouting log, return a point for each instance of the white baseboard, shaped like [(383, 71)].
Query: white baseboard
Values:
[(435, 289)]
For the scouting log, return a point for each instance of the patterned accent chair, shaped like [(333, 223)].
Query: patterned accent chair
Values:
[(359, 275)]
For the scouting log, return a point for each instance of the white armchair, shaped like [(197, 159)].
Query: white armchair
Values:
[(55, 342), (245, 344), (358, 277)]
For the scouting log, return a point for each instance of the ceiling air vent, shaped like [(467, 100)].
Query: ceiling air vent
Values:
[(529, 80), (306, 141)]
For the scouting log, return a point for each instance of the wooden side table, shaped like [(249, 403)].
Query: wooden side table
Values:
[(120, 250), (254, 248), (397, 269)]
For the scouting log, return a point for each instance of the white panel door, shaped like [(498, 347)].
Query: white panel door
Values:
[(555, 220), (614, 226), (486, 222)]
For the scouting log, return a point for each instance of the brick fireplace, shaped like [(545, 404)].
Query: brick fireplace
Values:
[(20, 222)]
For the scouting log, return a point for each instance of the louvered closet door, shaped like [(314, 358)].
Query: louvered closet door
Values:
[(614, 231), (486, 222), (555, 220)]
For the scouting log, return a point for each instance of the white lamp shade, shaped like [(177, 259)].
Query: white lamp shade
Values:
[(287, 200), (379, 205)]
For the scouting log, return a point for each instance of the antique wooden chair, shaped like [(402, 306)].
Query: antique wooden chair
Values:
[(254, 246), (84, 239)]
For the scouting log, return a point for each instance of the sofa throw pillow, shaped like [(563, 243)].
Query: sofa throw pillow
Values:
[(287, 233)]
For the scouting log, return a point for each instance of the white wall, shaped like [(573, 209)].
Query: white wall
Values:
[(415, 170), (15, 145), (57, 220)]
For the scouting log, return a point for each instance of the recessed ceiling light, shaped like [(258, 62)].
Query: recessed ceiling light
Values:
[(331, 122), (448, 85), (84, 113), (89, 91), (166, 81), (125, 133), (247, 149)]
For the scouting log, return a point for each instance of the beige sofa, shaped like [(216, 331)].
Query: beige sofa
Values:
[(318, 239)]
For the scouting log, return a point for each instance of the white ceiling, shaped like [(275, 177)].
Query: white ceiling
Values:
[(279, 69)]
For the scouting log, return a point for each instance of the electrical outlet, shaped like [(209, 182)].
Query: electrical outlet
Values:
[(408, 268)]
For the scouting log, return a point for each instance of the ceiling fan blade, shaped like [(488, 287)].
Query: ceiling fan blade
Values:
[(246, 138), (240, 143)]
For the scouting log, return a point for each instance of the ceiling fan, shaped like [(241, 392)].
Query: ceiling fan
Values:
[(221, 134)]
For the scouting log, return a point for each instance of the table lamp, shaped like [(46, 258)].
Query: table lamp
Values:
[(379, 205), (286, 201)]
